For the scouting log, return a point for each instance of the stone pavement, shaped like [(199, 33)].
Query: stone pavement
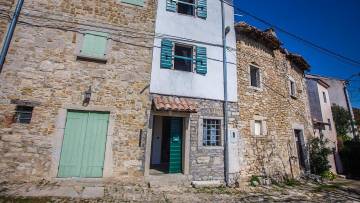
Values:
[(335, 191)]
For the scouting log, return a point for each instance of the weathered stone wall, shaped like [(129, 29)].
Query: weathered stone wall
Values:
[(207, 163), (5, 12), (41, 66), (270, 154)]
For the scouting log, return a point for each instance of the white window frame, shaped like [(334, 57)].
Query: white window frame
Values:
[(80, 37), (201, 133), (193, 64), (182, 2), (260, 88), (292, 94), (263, 122)]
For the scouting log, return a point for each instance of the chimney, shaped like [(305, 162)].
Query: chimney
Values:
[(271, 31)]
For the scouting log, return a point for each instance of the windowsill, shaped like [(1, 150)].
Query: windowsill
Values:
[(211, 147), (263, 136), (259, 89), (91, 58), (131, 4), (293, 96)]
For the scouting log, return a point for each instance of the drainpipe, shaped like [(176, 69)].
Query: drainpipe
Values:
[(350, 109), (226, 150), (10, 33)]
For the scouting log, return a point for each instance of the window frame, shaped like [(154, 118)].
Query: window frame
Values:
[(259, 87), (330, 126), (324, 97), (193, 52), (201, 133), (263, 127), (80, 38), (194, 5), (292, 84), (19, 112)]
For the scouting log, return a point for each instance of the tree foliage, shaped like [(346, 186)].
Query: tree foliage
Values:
[(342, 119), (319, 155)]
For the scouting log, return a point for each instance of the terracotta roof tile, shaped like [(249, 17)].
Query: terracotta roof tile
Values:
[(171, 103)]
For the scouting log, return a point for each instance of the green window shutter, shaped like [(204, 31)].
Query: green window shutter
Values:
[(201, 60), (166, 60), (94, 44), (171, 5), (202, 9), (134, 2)]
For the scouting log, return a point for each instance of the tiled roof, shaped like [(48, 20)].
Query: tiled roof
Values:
[(172, 103)]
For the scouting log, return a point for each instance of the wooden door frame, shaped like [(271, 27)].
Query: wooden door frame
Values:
[(185, 143), (58, 136)]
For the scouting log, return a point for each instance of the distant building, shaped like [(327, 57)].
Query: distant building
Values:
[(338, 94), (322, 118)]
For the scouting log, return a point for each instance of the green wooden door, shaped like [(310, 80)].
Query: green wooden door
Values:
[(83, 149), (175, 158)]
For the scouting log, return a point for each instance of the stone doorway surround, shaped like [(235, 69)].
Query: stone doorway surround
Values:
[(186, 139), (58, 135)]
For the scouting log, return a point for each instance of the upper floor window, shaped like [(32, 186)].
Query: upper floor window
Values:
[(324, 97), (94, 46), (134, 2), (292, 87), (183, 57), (329, 122), (254, 76), (188, 7)]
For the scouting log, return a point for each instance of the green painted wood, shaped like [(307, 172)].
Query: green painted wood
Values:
[(71, 152), (202, 9), (166, 60), (175, 154), (94, 44), (201, 60), (83, 149), (171, 5), (134, 2), (94, 145)]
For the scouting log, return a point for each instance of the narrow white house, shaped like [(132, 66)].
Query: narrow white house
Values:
[(187, 88)]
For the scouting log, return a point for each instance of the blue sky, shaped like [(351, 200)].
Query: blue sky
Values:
[(332, 24)]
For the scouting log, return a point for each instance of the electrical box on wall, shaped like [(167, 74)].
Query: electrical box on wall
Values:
[(233, 149)]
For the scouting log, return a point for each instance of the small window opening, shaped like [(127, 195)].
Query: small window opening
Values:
[(211, 132), (329, 122), (23, 114), (186, 7), (255, 76), (324, 95), (183, 58), (257, 128), (292, 88)]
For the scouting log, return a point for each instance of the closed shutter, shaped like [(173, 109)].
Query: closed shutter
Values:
[(94, 44), (134, 2), (202, 9), (201, 60), (171, 5), (166, 54)]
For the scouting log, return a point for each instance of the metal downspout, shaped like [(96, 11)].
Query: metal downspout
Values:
[(226, 152), (10, 33)]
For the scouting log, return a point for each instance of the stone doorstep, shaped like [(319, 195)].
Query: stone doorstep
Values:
[(208, 183), (167, 180)]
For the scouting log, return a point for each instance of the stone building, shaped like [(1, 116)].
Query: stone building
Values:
[(322, 118), (74, 90), (273, 105), (187, 91)]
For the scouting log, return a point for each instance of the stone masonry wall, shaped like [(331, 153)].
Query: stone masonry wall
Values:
[(270, 154), (42, 67), (207, 163)]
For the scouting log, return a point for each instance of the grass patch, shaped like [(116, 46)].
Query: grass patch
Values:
[(216, 190), (327, 187)]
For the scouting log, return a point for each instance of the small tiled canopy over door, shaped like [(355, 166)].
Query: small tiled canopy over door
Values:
[(175, 160), (83, 148)]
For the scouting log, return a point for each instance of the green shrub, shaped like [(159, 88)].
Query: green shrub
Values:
[(254, 180), (319, 155), (350, 153), (328, 175)]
